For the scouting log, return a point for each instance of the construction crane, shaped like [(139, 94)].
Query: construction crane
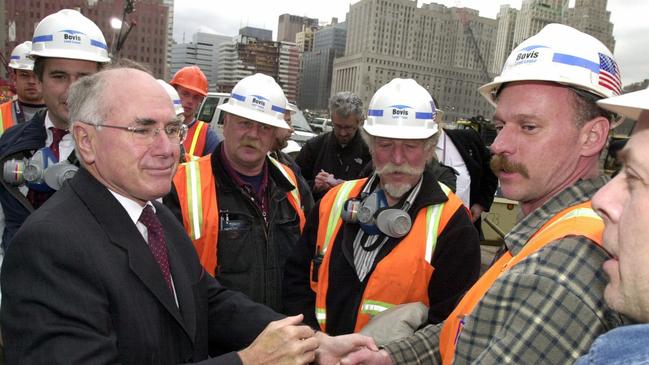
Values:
[(464, 19), (121, 37)]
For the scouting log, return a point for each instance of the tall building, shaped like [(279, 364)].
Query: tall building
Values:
[(536, 14), (317, 66), (506, 19), (146, 43), (246, 56), (203, 52), (588, 16), (258, 33), (591, 17), (170, 36), (304, 38), (288, 69), (289, 25), (445, 50), (231, 67)]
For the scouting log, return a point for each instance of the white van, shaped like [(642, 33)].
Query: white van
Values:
[(210, 114)]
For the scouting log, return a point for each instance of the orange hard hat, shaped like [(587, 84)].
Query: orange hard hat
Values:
[(192, 78)]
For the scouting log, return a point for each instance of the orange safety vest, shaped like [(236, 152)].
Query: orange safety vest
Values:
[(579, 219), (196, 137), (393, 280), (6, 116), (196, 187)]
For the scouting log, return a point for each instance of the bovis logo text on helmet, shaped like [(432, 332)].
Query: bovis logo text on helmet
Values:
[(528, 54), (259, 101), (71, 36), (400, 110)]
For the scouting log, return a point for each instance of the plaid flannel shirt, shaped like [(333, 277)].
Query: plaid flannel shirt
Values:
[(547, 309)]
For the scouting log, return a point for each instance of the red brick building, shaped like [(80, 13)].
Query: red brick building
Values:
[(146, 43)]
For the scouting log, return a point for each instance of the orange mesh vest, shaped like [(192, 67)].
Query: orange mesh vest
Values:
[(196, 136), (391, 283), (6, 116), (196, 187), (579, 220)]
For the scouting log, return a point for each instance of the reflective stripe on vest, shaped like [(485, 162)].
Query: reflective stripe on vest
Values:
[(197, 194), (388, 285), (6, 116), (196, 188), (196, 139), (576, 220), (294, 195)]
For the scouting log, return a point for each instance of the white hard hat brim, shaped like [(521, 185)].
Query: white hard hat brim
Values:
[(254, 115), (630, 105), (18, 66), (399, 132), (74, 55)]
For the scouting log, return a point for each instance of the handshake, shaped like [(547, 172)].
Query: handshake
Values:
[(287, 341)]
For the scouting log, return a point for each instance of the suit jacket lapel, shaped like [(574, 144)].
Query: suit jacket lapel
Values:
[(121, 231), (184, 291)]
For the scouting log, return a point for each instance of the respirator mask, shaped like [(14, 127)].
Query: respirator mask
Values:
[(42, 172), (371, 211)]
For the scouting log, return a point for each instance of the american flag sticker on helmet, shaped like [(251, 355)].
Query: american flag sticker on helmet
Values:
[(609, 74)]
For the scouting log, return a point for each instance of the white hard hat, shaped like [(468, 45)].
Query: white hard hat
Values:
[(401, 109), (173, 94), (69, 34), (292, 108), (19, 59), (259, 98), (561, 54), (630, 105)]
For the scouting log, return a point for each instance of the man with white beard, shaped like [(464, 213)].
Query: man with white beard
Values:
[(398, 237)]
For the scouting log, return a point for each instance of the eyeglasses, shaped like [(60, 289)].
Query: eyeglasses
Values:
[(176, 132)]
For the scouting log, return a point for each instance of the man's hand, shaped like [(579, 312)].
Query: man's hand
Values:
[(367, 357), (321, 181), (282, 342), (332, 349), (476, 211)]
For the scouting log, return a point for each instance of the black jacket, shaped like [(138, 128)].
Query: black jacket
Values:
[(325, 153), (476, 158), (82, 287), (19, 141), (456, 260), (251, 254)]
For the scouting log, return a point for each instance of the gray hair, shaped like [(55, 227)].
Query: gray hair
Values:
[(345, 104), (85, 99), (429, 143)]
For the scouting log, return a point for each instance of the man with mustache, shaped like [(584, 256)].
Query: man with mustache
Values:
[(65, 46), (104, 274), (244, 210), (542, 300), (396, 238)]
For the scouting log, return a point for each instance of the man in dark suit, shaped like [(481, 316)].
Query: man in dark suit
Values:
[(463, 150), (105, 274)]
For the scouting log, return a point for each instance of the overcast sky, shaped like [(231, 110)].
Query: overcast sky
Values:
[(631, 25)]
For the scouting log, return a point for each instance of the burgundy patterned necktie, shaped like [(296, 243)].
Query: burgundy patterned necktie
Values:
[(57, 136), (157, 243)]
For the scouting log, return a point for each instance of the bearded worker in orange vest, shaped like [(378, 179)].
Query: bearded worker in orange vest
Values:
[(243, 210), (397, 238), (191, 84), (542, 301)]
